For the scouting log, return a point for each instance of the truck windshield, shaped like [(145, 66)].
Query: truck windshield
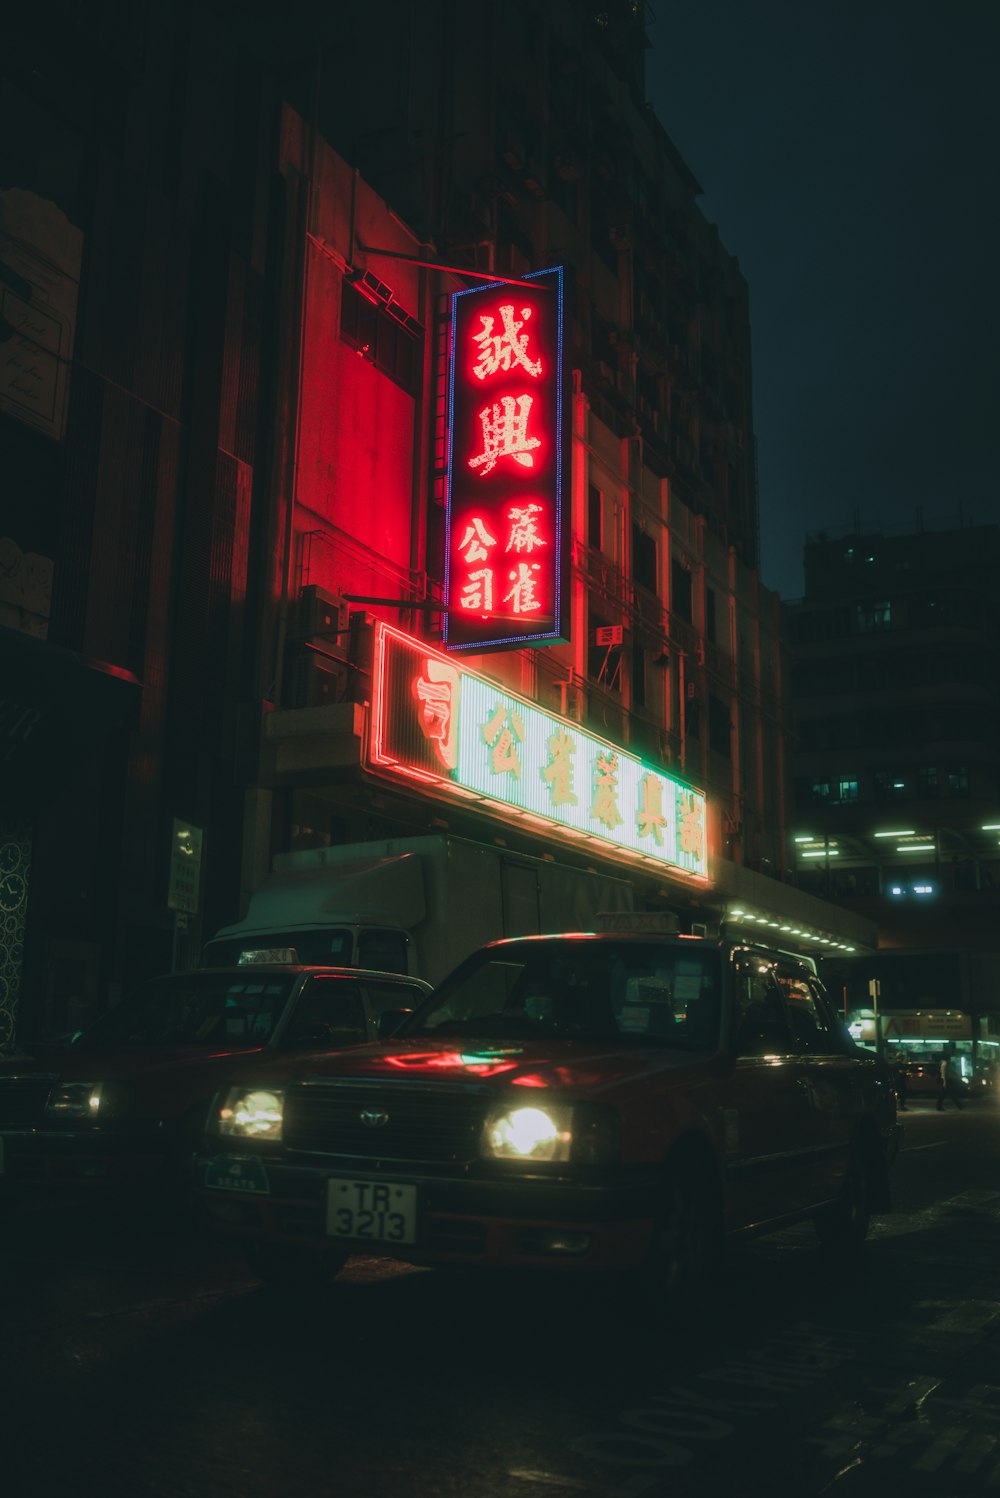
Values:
[(330, 946), (210, 1009), (652, 994)]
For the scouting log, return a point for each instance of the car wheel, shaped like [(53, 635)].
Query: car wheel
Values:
[(290, 1268), (844, 1224), (686, 1249)]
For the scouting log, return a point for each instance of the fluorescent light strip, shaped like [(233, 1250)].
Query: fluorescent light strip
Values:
[(903, 832), (915, 848)]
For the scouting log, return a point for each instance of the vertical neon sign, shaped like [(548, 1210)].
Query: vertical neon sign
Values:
[(506, 551)]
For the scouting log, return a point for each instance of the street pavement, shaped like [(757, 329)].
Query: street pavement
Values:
[(148, 1363)]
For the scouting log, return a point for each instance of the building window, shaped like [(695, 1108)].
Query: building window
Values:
[(957, 780), (838, 792), (643, 559), (719, 727), (710, 615), (893, 785), (874, 616), (928, 786), (680, 590), (392, 345), (692, 720), (638, 676), (595, 510)]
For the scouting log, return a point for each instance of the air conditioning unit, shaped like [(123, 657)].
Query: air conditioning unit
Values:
[(314, 681), (370, 286), (320, 613)]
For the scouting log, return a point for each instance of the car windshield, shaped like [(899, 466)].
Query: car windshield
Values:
[(210, 1009), (641, 993)]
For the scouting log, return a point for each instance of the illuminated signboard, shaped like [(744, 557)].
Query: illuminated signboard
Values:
[(438, 723), (506, 553)]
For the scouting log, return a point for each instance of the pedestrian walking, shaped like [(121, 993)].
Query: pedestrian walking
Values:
[(902, 1083), (947, 1084)]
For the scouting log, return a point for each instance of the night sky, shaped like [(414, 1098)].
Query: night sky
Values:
[(848, 155)]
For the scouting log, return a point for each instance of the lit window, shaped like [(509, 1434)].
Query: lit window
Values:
[(874, 616)]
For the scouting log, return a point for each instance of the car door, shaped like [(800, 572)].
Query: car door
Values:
[(832, 1079), (767, 1123)]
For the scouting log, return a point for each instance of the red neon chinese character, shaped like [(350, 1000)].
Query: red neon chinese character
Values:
[(476, 542), (505, 433), (477, 592), (559, 770), (524, 530), (522, 596), (503, 733), (435, 692), (605, 804), (496, 350), (650, 816)]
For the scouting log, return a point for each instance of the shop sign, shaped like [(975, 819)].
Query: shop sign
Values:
[(462, 734), (506, 555), (927, 1024), (184, 886)]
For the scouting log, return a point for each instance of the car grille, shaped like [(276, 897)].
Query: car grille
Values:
[(22, 1099), (432, 1124)]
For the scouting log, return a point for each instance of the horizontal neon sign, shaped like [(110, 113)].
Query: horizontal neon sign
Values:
[(437, 722)]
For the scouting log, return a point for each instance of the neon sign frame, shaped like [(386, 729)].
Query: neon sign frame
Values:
[(506, 570), (435, 722)]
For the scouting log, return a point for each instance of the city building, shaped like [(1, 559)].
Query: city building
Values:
[(896, 698), (241, 246), (897, 775)]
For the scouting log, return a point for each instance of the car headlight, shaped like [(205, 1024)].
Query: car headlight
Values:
[(75, 1100), (585, 1133), (252, 1112), (529, 1133)]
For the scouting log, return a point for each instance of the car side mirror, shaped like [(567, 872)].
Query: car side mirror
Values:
[(389, 1022)]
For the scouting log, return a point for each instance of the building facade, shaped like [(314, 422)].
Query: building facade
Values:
[(897, 709), (234, 249)]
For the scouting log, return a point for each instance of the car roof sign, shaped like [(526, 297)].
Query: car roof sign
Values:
[(286, 956)]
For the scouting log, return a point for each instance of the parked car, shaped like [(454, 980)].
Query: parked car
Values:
[(923, 1078), (126, 1100), (574, 1103)]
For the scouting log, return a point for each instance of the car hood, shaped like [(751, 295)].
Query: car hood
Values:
[(569, 1066)]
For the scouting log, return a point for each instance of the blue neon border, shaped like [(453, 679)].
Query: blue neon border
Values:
[(558, 633)]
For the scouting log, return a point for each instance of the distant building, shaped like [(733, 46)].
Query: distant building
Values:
[(896, 696)]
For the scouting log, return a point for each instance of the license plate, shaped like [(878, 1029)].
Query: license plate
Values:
[(234, 1173), (372, 1211)]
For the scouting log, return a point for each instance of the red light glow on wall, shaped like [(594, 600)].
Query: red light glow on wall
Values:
[(505, 567)]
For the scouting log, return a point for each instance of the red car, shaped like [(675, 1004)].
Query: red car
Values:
[(126, 1101), (580, 1104)]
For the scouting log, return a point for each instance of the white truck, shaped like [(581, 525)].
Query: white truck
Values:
[(413, 905)]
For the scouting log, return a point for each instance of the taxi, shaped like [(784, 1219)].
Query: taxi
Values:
[(579, 1103), (124, 1101)]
